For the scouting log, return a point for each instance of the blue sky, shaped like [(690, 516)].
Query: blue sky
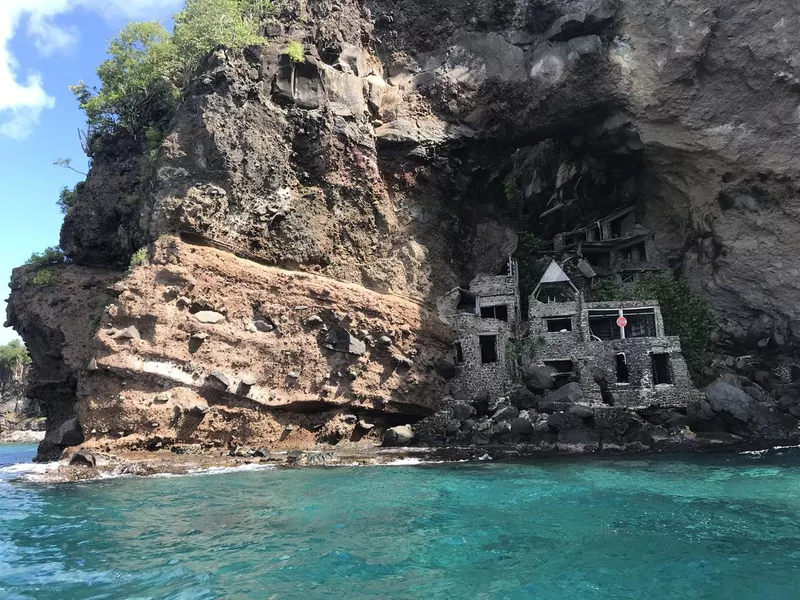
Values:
[(45, 46)]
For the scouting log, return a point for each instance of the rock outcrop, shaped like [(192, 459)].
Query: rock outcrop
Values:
[(399, 159)]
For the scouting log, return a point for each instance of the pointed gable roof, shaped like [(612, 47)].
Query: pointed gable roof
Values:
[(554, 274)]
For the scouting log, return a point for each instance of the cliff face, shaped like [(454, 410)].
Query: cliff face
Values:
[(404, 156)]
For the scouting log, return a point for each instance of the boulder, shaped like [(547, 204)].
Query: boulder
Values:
[(83, 458), (562, 420), (69, 434), (209, 317), (538, 379), (462, 411), (742, 413), (504, 412), (263, 326), (129, 333), (434, 429), (199, 409), (523, 398), (400, 435), (341, 340), (481, 403), (261, 453), (570, 393), (219, 380), (581, 411), (446, 367), (521, 426)]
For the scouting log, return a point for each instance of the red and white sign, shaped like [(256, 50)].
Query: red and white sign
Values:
[(622, 321)]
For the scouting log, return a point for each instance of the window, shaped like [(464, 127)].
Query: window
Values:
[(558, 324), (598, 259), (488, 348), (466, 302), (623, 373), (662, 371), (603, 324), (641, 323), (500, 311), (563, 371), (459, 353)]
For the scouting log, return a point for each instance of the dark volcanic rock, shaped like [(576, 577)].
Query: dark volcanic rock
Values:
[(523, 398), (741, 413), (401, 435), (69, 434), (83, 458), (538, 379)]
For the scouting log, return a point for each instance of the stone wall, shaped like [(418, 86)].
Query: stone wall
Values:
[(472, 375)]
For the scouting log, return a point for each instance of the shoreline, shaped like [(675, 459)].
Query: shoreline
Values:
[(21, 436), (166, 462)]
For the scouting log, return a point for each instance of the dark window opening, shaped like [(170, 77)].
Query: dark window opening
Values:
[(603, 324), (555, 293), (616, 228), (499, 311), (559, 324), (636, 253), (598, 259), (563, 371), (488, 348), (623, 373), (466, 302), (662, 371), (640, 325), (459, 353)]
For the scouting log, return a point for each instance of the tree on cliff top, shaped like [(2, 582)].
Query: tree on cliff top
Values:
[(13, 355), (148, 68)]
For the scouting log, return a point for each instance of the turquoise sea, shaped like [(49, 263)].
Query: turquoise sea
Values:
[(725, 527)]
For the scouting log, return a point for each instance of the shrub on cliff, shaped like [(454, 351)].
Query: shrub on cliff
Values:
[(139, 258), (13, 355), (68, 198), (47, 258), (295, 52), (148, 67)]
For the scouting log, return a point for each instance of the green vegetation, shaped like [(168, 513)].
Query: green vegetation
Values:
[(295, 52), (49, 257), (140, 258), (522, 351), (67, 198), (685, 313), (531, 266), (13, 354), (44, 278), (143, 80)]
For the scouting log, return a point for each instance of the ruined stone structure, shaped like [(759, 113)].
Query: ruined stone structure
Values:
[(616, 245), (484, 318), (614, 347)]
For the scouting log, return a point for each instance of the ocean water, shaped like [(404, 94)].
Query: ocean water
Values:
[(724, 527)]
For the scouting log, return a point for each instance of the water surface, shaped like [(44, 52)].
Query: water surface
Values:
[(722, 527)]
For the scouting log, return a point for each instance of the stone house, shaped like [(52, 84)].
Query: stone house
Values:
[(622, 344), (485, 318), (616, 351)]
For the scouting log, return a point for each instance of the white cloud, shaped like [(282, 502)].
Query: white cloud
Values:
[(22, 93)]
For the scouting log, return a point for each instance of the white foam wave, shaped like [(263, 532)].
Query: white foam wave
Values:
[(766, 451), (29, 468)]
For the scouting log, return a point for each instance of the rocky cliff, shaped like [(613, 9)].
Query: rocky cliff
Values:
[(400, 158)]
